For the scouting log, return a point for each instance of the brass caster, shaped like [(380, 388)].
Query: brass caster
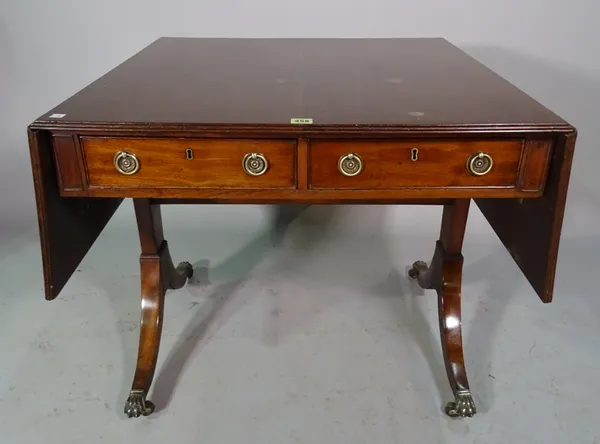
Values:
[(187, 269), (417, 268), (462, 407), (137, 405)]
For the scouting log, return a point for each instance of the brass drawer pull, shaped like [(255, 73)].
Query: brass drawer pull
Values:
[(479, 164), (255, 164), (126, 163), (350, 164)]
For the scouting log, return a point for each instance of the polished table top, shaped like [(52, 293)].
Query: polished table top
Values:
[(342, 82)]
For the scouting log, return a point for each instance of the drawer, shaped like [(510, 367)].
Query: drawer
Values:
[(189, 163), (424, 164)]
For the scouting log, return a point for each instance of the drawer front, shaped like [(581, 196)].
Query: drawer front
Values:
[(414, 164), (189, 163)]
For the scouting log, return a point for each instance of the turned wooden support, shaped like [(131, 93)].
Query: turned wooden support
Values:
[(444, 275), (158, 274)]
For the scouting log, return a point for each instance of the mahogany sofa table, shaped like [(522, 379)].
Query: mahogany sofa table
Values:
[(281, 121)]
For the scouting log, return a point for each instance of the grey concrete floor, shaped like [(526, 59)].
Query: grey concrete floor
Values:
[(313, 334)]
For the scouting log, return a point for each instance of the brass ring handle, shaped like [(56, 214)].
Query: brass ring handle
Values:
[(255, 164), (479, 164), (350, 164), (126, 163)]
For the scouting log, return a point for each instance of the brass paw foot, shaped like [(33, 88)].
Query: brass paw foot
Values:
[(462, 407), (137, 404), (417, 269), (186, 268)]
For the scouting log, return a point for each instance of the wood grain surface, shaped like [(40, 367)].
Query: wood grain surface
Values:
[(389, 164), (216, 163)]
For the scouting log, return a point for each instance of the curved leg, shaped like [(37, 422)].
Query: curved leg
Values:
[(449, 313), (445, 276), (158, 274), (153, 298), (427, 276), (175, 277)]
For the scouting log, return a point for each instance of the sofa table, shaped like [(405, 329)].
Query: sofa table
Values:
[(282, 121)]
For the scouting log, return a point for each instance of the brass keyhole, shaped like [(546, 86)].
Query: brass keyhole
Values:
[(189, 154), (414, 154)]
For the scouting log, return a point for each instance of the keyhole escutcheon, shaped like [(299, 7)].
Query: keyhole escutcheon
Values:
[(414, 154), (189, 154)]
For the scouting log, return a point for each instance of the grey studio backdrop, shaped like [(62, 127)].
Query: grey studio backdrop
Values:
[(51, 49)]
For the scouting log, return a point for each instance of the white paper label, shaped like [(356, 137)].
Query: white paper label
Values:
[(301, 121), (57, 116)]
